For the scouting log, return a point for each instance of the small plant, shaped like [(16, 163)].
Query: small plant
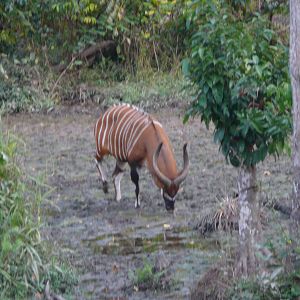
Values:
[(147, 277)]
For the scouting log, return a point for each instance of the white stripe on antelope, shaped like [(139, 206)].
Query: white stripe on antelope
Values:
[(134, 137)]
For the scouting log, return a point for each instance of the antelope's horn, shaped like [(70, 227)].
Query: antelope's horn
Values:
[(164, 179), (181, 177)]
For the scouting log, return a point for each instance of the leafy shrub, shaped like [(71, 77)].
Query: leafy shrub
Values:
[(239, 70)]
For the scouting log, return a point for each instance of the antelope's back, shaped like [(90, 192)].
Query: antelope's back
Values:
[(119, 129)]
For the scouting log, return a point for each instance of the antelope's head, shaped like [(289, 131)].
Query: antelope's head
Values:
[(170, 187)]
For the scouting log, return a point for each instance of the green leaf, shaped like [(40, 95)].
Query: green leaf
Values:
[(201, 52), (241, 146), (185, 118), (234, 160), (188, 23), (219, 134), (202, 101), (78, 62), (259, 70), (255, 125), (255, 59), (295, 290), (185, 66), (218, 93), (244, 129), (3, 157)]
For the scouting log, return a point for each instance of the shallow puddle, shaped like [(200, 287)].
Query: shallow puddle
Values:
[(124, 243)]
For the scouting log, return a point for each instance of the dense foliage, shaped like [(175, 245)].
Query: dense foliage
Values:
[(20, 261), (18, 89), (239, 71), (149, 32)]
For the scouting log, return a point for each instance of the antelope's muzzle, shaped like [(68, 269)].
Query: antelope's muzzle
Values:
[(169, 204)]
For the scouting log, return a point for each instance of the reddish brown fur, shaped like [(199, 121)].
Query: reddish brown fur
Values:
[(144, 149), (118, 129)]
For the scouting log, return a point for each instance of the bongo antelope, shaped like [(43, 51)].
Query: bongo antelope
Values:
[(134, 137)]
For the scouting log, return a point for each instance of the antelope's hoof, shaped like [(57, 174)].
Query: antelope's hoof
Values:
[(118, 199), (105, 187)]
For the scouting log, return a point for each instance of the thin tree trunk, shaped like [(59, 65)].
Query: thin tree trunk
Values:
[(249, 221), (295, 81)]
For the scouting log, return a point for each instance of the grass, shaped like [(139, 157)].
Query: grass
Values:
[(23, 265), (145, 89), (148, 278), (157, 90), (61, 276)]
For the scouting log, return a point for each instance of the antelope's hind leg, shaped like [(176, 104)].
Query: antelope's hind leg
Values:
[(117, 176), (135, 179), (102, 174)]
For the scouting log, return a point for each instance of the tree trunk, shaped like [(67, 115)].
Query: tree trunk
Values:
[(249, 221), (295, 81)]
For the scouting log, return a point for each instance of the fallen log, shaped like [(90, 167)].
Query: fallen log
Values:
[(89, 55)]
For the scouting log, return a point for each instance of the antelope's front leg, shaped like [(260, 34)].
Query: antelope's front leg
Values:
[(135, 179), (102, 174), (117, 176)]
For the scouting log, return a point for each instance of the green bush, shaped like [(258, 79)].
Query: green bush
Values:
[(239, 70)]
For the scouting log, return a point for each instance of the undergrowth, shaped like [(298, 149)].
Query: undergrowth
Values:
[(24, 86), (148, 278), (272, 282), (27, 86), (146, 88), (154, 90), (24, 269)]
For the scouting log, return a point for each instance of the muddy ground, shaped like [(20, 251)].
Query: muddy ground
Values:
[(107, 241)]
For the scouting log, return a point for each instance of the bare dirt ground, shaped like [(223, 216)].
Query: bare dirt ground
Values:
[(105, 240)]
